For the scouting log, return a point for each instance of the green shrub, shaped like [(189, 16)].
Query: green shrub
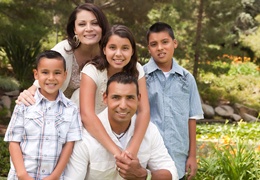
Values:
[(21, 55), (8, 83), (228, 151), (5, 158), (230, 161)]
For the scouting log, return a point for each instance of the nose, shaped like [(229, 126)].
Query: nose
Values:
[(51, 76), (123, 103), (118, 52), (88, 27), (160, 46)]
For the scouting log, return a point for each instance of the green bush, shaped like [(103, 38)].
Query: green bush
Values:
[(229, 151), (5, 158), (234, 82), (21, 55), (8, 84)]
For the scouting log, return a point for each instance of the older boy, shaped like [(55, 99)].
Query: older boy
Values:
[(42, 136), (174, 99)]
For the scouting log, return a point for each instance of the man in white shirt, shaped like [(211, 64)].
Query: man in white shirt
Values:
[(91, 161)]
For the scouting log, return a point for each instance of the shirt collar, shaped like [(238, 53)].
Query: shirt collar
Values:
[(60, 98), (104, 120), (152, 66)]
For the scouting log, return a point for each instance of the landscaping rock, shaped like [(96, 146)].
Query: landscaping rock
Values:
[(208, 111), (224, 111)]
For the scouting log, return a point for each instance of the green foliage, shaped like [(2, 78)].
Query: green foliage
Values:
[(22, 55), (229, 151), (8, 84), (4, 156), (236, 82)]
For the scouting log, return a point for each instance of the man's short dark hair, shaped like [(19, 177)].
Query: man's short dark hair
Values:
[(123, 78), (160, 27)]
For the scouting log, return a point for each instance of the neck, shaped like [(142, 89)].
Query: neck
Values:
[(121, 128)]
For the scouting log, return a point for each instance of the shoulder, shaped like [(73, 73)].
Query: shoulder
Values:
[(64, 48), (140, 69)]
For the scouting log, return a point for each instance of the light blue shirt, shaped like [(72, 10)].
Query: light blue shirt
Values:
[(42, 129), (173, 101)]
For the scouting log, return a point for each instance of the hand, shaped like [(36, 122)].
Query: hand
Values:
[(25, 177), (26, 97), (191, 167), (51, 178), (129, 167)]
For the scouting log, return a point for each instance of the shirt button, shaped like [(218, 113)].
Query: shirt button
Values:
[(49, 108), (47, 138), (43, 170)]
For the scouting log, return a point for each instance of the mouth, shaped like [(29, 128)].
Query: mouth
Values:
[(51, 85), (118, 61), (122, 114), (161, 55), (90, 36)]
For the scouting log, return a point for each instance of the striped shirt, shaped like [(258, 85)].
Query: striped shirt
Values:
[(42, 129), (173, 101)]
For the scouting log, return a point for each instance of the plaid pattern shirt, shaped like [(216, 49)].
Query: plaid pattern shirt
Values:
[(42, 129)]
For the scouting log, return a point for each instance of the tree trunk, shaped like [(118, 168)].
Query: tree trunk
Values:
[(197, 40)]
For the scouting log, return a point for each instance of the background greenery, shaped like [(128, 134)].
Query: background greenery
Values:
[(219, 42)]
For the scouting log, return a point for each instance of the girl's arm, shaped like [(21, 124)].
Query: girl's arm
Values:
[(62, 162), (17, 159), (142, 119), (26, 96), (88, 116)]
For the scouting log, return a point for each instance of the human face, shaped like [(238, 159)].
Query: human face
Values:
[(122, 101), (51, 75), (161, 47), (118, 53), (87, 28)]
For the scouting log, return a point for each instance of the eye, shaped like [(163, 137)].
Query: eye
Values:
[(112, 47), (131, 97), (95, 23), (125, 48), (165, 42), (44, 72), (153, 44), (115, 97), (58, 72)]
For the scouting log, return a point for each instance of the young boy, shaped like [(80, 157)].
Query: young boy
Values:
[(42, 136), (174, 99)]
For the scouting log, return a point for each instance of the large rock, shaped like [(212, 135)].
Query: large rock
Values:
[(6, 101), (224, 111), (208, 111)]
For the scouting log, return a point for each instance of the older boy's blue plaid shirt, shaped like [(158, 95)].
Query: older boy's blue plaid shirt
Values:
[(172, 102), (42, 129)]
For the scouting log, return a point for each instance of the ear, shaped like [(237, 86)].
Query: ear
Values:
[(148, 49), (175, 43), (35, 73), (139, 97), (105, 98), (104, 50), (65, 74)]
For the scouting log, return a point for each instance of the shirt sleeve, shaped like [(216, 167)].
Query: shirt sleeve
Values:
[(75, 130), (160, 158), (78, 163), (15, 129), (195, 111), (140, 70), (91, 71)]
